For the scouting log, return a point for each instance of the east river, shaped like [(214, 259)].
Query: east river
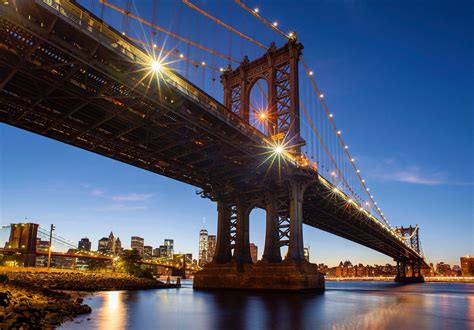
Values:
[(344, 305)]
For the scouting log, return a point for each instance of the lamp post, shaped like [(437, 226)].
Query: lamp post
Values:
[(50, 245)]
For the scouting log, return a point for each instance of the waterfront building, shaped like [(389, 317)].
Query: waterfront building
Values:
[(211, 247), (467, 266), (137, 243), (306, 253), (42, 245), (111, 243), (254, 252), (203, 247), (169, 243), (163, 252), (147, 251), (156, 252), (118, 246), (443, 269), (84, 244), (103, 245)]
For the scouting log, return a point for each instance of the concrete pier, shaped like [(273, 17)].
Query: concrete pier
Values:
[(286, 275)]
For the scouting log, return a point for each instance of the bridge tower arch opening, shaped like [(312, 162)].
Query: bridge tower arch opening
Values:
[(258, 105), (279, 68)]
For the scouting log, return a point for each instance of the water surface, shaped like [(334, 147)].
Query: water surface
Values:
[(344, 305)]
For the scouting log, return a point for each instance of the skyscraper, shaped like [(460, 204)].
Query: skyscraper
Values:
[(103, 245), (306, 253), (169, 243), (84, 244), (211, 247), (137, 243), (118, 246), (111, 244), (147, 251), (254, 252), (203, 247)]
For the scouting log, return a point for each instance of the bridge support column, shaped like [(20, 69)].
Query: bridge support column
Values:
[(295, 248), (242, 244), (415, 277), (271, 252), (223, 252)]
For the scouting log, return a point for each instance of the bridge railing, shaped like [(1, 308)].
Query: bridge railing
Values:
[(107, 35)]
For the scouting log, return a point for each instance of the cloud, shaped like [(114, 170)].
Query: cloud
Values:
[(98, 192), (121, 208), (133, 197), (414, 176)]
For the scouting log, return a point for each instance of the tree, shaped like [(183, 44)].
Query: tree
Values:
[(131, 261)]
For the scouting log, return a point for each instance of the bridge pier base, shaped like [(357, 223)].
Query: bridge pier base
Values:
[(285, 276), (402, 276)]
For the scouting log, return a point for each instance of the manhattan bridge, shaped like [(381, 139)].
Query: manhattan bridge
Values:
[(215, 95)]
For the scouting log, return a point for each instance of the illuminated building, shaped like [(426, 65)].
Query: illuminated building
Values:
[(103, 245), (137, 243), (306, 253), (169, 243), (211, 247), (147, 251), (254, 252), (118, 246), (443, 269), (156, 252), (84, 244), (203, 246), (467, 266)]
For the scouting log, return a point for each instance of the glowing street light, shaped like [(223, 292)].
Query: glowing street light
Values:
[(279, 149), (262, 116)]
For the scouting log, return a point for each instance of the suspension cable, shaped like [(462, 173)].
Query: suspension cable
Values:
[(313, 83), (315, 130), (255, 13), (218, 21), (174, 35)]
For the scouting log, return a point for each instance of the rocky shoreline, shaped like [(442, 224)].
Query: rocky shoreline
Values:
[(36, 299)]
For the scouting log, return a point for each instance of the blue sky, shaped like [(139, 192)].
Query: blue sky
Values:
[(397, 75)]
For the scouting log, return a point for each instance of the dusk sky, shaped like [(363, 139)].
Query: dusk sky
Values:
[(399, 77)]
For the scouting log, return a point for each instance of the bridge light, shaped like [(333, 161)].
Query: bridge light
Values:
[(321, 96), (363, 180), (346, 147), (275, 24), (311, 73), (221, 69), (368, 189), (331, 115), (339, 132), (358, 171), (256, 10), (262, 116), (181, 55), (156, 65), (333, 173), (352, 160), (279, 149), (203, 63), (336, 190), (154, 45)]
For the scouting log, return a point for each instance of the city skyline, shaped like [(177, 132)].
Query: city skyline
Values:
[(428, 182)]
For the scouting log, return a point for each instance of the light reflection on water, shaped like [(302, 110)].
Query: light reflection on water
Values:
[(344, 305)]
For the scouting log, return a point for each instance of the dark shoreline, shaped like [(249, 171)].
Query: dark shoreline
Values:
[(38, 298)]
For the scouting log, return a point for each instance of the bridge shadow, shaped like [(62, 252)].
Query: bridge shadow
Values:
[(267, 310)]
